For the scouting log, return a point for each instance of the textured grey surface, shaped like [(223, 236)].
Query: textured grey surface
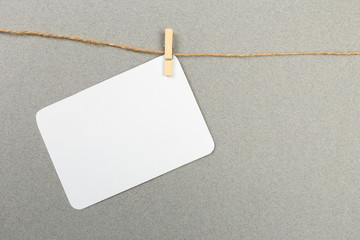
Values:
[(286, 163)]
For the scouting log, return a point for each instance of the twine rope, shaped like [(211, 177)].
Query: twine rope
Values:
[(142, 50)]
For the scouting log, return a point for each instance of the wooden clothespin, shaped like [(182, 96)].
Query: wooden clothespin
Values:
[(168, 51)]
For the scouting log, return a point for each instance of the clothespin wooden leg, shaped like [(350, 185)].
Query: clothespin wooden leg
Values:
[(168, 51)]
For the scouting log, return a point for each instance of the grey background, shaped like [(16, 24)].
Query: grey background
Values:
[(286, 163)]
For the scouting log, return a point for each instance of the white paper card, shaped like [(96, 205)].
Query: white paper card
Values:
[(124, 131)]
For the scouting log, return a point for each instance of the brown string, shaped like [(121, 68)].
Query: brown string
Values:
[(135, 49)]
